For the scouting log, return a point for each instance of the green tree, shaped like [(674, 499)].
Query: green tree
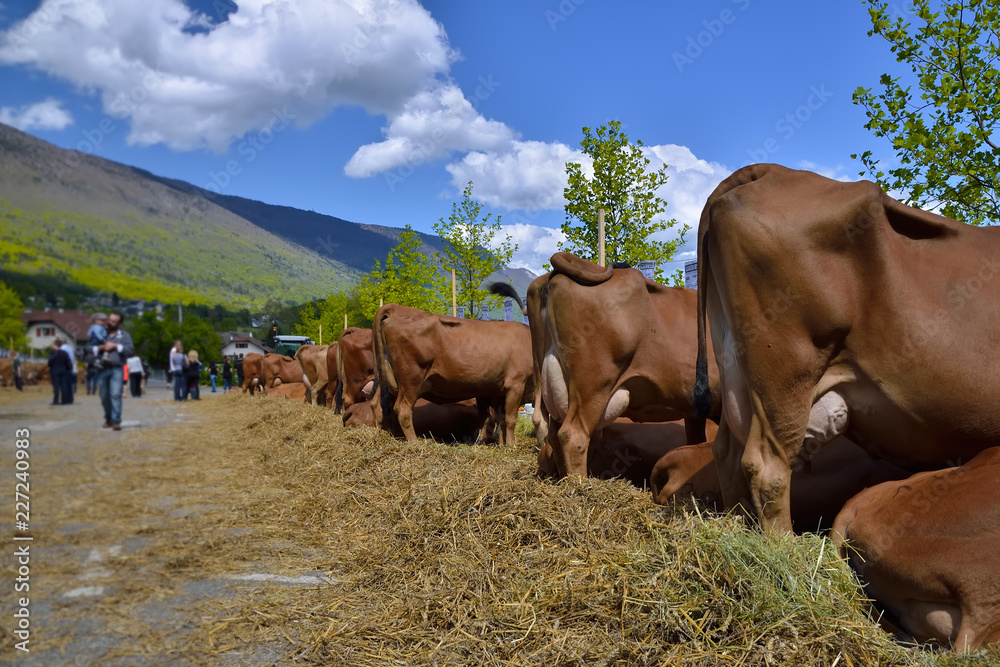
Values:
[(471, 248), (942, 136), (153, 338), (11, 326), (329, 312), (408, 278), (623, 187)]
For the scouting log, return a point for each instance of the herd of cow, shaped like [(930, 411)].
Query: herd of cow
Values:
[(832, 369)]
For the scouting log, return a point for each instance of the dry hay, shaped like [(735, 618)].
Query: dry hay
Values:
[(437, 555), (447, 555)]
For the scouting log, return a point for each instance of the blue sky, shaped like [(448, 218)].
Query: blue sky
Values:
[(379, 111)]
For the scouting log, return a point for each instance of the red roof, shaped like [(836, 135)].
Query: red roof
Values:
[(73, 322)]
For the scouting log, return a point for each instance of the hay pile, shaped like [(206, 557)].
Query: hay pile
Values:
[(445, 555)]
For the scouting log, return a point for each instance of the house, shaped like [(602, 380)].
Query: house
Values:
[(44, 326), (237, 345)]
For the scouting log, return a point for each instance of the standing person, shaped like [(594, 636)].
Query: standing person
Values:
[(213, 372), (145, 376), (109, 380), (227, 375), (238, 363), (177, 362), (134, 365), (68, 349), (16, 371), (193, 375), (90, 360), (60, 373)]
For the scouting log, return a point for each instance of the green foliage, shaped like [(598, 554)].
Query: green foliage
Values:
[(627, 193), (11, 326), (471, 249), (330, 314), (153, 337), (154, 258), (942, 137), (409, 278)]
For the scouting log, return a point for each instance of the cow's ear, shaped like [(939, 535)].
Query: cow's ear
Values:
[(917, 224)]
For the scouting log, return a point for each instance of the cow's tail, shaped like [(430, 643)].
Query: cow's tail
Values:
[(338, 392), (507, 290), (338, 397), (384, 378), (702, 396)]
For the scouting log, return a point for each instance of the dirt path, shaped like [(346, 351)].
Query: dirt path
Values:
[(124, 550)]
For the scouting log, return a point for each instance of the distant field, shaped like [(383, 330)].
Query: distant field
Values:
[(139, 259)]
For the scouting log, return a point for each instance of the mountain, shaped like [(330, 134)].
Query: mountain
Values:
[(122, 229)]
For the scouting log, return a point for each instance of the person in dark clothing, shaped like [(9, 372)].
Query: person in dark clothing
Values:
[(239, 371), (61, 374), (15, 369), (213, 373), (227, 376)]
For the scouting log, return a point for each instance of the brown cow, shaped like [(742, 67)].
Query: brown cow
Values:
[(626, 450), (278, 369), (447, 359), (449, 422), (313, 360), (355, 367), (614, 345), (253, 372), (927, 550), (295, 391), (821, 484), (836, 310)]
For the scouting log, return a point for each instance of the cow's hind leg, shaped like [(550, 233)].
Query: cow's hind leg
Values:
[(404, 415), (512, 403)]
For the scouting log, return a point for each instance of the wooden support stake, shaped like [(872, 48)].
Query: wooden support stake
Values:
[(345, 321), (600, 236), (320, 335), (454, 296)]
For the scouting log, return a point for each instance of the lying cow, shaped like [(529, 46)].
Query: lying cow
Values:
[(313, 360), (449, 422), (835, 310), (278, 369), (625, 450), (295, 391), (928, 550), (355, 367), (611, 344), (821, 484), (448, 359), (253, 372)]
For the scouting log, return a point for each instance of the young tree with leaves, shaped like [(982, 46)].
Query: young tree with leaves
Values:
[(329, 313), (943, 137), (472, 249), (408, 278), (623, 187), (11, 326)]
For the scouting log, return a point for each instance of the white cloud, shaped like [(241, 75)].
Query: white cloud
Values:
[(836, 173), (45, 115), (690, 181), (189, 82), (535, 245), (431, 124), (527, 176)]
